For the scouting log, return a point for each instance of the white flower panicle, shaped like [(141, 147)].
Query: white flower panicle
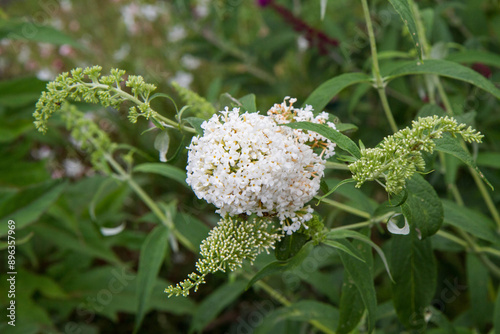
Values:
[(249, 164)]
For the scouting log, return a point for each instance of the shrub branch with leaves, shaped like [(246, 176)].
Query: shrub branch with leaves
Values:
[(261, 172)]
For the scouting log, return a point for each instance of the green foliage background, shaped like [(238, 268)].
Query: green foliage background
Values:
[(73, 279)]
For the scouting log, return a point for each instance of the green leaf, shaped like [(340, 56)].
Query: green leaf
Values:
[(362, 277), (351, 251), (19, 241), (281, 266), (341, 140), (19, 92), (326, 316), (422, 208), (475, 56), (31, 31), (169, 171), (191, 228), (343, 234), (90, 244), (226, 100), (345, 127), (320, 97), (414, 269), (335, 188), (215, 303), (478, 281), (10, 130), (496, 314), (351, 305), (488, 159), (153, 252), (196, 124), (446, 69), (289, 245), (403, 8), (248, 103), (26, 206), (452, 146), (470, 221)]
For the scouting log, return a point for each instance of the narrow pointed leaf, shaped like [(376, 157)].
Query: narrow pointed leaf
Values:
[(215, 303), (496, 314), (478, 280), (26, 206), (351, 251), (335, 188), (351, 305), (343, 234), (153, 252), (452, 146), (335, 136), (280, 266), (444, 68), (163, 169), (362, 276), (320, 97), (475, 56), (326, 316), (462, 217), (403, 8), (414, 269)]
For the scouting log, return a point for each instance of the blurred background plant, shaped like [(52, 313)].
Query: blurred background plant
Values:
[(81, 233)]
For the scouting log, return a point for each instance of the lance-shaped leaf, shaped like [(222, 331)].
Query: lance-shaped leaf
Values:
[(320, 97), (341, 140), (414, 269), (444, 68), (403, 8)]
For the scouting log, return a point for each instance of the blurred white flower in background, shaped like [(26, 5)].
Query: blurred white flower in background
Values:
[(176, 33), (46, 74), (73, 167), (302, 43), (150, 12), (184, 79), (42, 153), (190, 62), (201, 8), (122, 52)]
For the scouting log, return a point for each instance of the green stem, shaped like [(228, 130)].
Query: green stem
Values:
[(379, 83), (149, 202), (345, 207), (483, 258), (336, 165), (434, 79), (131, 98), (486, 196), (352, 226), (443, 95), (464, 244)]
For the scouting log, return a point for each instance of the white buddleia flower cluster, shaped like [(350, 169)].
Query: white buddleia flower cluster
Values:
[(249, 164)]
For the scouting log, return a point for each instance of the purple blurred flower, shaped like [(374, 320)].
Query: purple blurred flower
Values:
[(264, 3), (482, 69)]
